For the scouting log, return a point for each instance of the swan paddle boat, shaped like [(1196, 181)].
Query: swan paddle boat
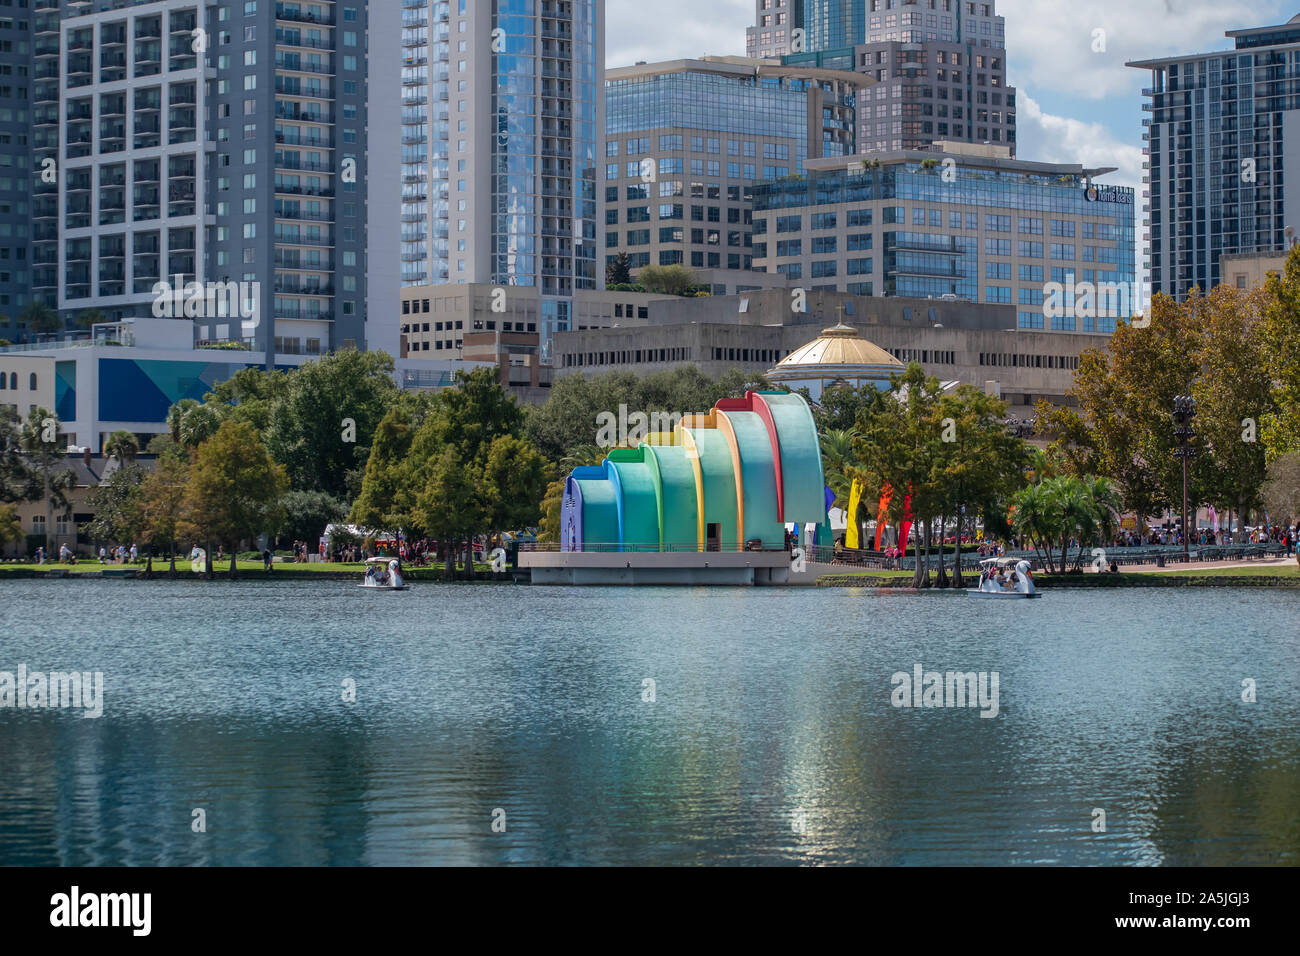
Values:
[(383, 574), (1005, 578)]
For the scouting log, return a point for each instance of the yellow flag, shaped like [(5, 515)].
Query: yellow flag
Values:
[(851, 535)]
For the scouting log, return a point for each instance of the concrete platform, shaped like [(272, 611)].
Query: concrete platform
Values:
[(690, 569)]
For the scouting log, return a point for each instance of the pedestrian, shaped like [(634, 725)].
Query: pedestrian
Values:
[(135, 554), (267, 560)]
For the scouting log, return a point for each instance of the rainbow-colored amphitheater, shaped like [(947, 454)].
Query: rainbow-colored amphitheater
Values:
[(727, 480)]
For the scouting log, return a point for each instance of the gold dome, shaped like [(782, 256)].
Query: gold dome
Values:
[(837, 346)]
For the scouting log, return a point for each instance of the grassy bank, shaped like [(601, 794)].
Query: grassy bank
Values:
[(250, 570)]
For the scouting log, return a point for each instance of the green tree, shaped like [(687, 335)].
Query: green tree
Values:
[(1282, 489), (322, 428), (162, 504), (10, 528), (1057, 510), (199, 423), (251, 395), (515, 477), (667, 280), (308, 513), (387, 501), (51, 475), (122, 445), (901, 445), (1281, 332), (619, 271), (116, 506), (980, 467), (39, 317), (235, 489)]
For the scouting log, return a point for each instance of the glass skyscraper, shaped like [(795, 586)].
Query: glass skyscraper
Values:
[(686, 141), (1215, 149), (940, 66), (501, 119), (985, 229)]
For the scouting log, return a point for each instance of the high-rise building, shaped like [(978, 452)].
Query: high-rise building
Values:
[(16, 184), (969, 223), (218, 142), (940, 66), (687, 140), (1217, 157), (501, 120)]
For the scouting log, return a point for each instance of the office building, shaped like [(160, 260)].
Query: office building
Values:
[(940, 66), (957, 222), (219, 143), (971, 343), (16, 183), (686, 140), (501, 122), (1215, 149)]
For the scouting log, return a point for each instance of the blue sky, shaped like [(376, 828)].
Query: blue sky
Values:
[(1074, 104)]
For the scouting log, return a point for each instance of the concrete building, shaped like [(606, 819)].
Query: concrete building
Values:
[(1215, 143), (686, 140), (940, 66), (27, 382), (215, 142), (70, 525), (435, 320), (957, 221), (965, 342), (127, 374), (1249, 271), (501, 120)]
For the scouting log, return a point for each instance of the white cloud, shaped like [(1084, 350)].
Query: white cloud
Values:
[(1042, 137), (656, 30), (1051, 44)]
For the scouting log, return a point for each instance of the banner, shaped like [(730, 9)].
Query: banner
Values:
[(851, 534), (882, 514), (906, 527)]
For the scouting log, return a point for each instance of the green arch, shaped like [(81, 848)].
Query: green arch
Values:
[(639, 503), (677, 485)]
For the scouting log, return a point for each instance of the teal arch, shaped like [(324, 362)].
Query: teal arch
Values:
[(758, 478), (638, 498), (599, 507), (677, 487), (801, 457), (719, 482)]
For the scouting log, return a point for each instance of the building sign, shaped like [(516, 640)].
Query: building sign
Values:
[(1108, 194)]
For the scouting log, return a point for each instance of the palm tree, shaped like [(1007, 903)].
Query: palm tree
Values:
[(87, 318), (583, 456), (176, 414), (122, 445), (39, 317)]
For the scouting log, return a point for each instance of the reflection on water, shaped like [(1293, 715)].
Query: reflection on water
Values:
[(770, 739)]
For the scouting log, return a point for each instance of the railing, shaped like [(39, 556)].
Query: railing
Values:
[(682, 547)]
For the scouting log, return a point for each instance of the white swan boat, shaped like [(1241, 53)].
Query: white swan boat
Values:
[(1004, 578), (383, 574)]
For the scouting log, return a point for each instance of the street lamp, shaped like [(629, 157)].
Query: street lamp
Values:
[(1184, 412)]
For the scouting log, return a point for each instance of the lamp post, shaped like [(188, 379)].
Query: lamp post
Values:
[(1184, 412)]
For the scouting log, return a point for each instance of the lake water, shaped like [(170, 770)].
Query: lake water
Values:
[(771, 737)]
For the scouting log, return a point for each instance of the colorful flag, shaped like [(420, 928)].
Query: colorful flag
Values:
[(882, 514), (851, 533)]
